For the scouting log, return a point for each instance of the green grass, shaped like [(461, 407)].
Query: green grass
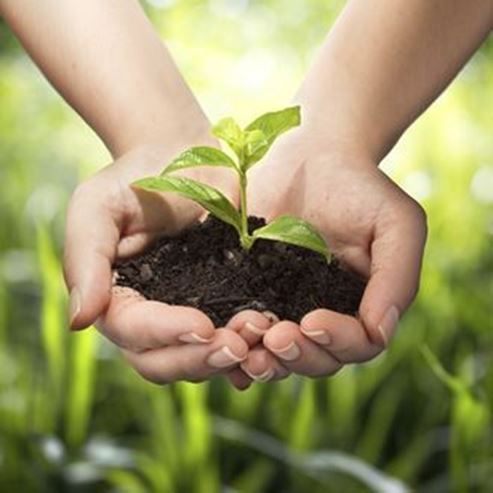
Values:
[(75, 418)]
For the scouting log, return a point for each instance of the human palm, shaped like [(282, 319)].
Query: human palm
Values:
[(370, 224), (108, 219)]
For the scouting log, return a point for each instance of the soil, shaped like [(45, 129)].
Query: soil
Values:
[(205, 267)]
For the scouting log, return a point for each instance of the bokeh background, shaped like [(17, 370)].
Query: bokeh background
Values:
[(74, 417)]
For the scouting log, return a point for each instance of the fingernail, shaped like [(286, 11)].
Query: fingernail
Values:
[(223, 357), (254, 329), (74, 305), (273, 318), (263, 377), (289, 353), (192, 337), (388, 324), (320, 336)]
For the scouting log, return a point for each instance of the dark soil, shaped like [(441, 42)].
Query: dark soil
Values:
[(205, 267)]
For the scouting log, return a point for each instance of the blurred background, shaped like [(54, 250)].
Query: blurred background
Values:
[(75, 418)]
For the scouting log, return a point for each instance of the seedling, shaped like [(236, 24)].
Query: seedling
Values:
[(249, 145)]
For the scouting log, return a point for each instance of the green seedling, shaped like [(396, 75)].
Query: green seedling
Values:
[(248, 145)]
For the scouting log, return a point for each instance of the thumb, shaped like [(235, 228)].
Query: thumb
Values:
[(396, 257), (91, 240)]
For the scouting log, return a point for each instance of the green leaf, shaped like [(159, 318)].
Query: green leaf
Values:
[(470, 418), (209, 198), (452, 382), (200, 156), (228, 130), (255, 143), (272, 125), (289, 229)]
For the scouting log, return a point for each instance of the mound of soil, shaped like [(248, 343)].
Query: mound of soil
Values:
[(205, 267)]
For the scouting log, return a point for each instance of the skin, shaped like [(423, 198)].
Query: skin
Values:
[(129, 91), (377, 71), (372, 225)]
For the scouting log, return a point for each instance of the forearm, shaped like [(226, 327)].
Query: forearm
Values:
[(105, 59), (384, 63)]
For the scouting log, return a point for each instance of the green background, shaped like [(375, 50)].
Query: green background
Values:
[(74, 417)]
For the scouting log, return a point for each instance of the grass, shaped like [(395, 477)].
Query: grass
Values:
[(75, 418), (360, 431)]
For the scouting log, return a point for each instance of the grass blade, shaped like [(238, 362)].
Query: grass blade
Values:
[(53, 327), (81, 386)]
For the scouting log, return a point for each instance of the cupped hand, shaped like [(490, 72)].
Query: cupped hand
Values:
[(108, 219), (372, 225)]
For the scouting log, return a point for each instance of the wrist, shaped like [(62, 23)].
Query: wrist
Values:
[(149, 155), (172, 126), (334, 128), (337, 104), (326, 137)]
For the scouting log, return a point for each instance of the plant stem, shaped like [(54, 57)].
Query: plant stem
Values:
[(246, 240), (243, 205)]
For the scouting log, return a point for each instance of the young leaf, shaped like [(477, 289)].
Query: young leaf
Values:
[(289, 229), (272, 125), (255, 142), (209, 198), (200, 156), (228, 130)]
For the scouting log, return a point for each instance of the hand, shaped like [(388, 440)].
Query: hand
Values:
[(370, 224), (108, 219)]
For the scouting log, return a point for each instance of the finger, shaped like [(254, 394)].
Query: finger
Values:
[(342, 336), (396, 256), (262, 366), (137, 324), (297, 353), (90, 244), (239, 379), (251, 325), (191, 362), (151, 215)]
